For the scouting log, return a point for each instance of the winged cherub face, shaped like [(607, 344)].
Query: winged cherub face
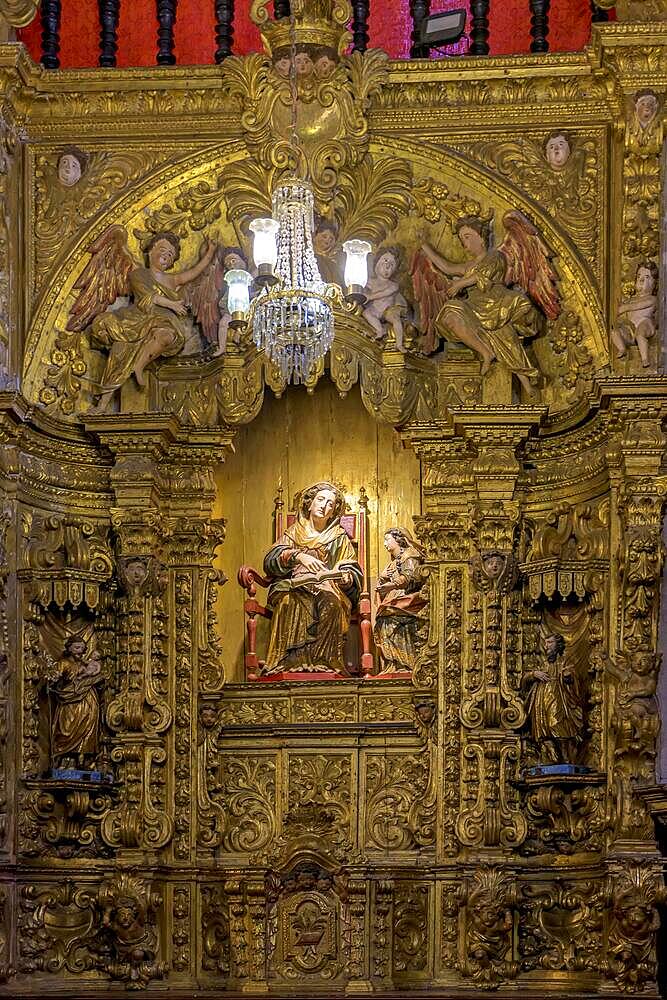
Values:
[(557, 151), (69, 170), (324, 66), (162, 255), (303, 63), (282, 66)]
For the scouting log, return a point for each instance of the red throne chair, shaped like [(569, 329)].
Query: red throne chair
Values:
[(356, 526)]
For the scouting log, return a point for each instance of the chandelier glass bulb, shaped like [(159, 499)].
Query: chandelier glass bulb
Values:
[(356, 263), (264, 247), (292, 321), (238, 294)]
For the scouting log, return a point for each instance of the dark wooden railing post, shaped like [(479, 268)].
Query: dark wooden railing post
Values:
[(224, 28), (598, 14), (360, 25), (109, 15), (539, 25), (166, 16), (419, 10), (50, 14), (479, 30), (281, 8)]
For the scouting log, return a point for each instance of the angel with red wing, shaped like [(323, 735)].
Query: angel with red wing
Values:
[(496, 296), (154, 325)]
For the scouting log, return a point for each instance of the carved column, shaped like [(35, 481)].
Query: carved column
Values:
[(447, 488), (639, 496), (639, 135), (164, 491), (492, 710)]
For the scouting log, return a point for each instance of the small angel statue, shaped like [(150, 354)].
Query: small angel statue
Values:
[(154, 325), (635, 323), (385, 304), (495, 297)]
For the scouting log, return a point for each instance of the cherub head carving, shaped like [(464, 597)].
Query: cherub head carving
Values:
[(493, 569), (557, 150), (324, 60), (646, 107), (71, 166)]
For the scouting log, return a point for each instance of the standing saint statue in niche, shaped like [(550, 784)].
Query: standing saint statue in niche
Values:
[(315, 582), (398, 588), (555, 705), (75, 729)]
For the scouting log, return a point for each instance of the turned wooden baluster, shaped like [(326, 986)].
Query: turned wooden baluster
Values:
[(281, 8), (597, 14), (50, 13), (419, 11), (224, 28), (479, 31), (166, 15), (539, 25), (109, 15), (360, 25)]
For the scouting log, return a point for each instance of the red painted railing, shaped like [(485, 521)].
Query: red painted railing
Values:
[(198, 26)]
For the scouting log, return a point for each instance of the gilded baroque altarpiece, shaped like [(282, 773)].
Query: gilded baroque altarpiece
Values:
[(480, 820)]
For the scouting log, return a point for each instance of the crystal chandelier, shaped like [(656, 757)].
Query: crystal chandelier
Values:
[(292, 320), (292, 314)]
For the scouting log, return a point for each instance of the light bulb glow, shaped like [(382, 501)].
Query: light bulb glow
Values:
[(238, 293), (356, 263), (265, 243)]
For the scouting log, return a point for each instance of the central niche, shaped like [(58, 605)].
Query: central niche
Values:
[(297, 440)]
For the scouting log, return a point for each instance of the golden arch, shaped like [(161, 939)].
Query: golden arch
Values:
[(460, 175)]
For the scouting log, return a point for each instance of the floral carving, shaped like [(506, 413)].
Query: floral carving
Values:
[(400, 804), (248, 790)]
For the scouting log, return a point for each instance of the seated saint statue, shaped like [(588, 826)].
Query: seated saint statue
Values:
[(316, 581), (398, 592)]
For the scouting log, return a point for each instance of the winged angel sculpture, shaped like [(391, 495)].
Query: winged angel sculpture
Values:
[(138, 313), (494, 299)]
